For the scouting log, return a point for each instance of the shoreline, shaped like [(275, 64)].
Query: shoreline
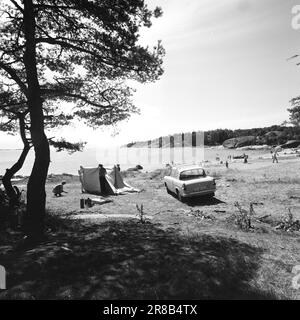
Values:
[(156, 159), (258, 162), (249, 147)]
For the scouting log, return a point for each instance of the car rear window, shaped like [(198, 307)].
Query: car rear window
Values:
[(192, 174)]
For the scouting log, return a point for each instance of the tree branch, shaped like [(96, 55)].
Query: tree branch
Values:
[(48, 6), (14, 76), (17, 5), (8, 122), (56, 93), (72, 46)]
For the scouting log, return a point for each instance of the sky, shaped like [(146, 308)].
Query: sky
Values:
[(225, 67)]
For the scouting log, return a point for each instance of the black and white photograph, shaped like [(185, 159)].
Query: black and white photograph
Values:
[(149, 151)]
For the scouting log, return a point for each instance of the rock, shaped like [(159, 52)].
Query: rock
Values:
[(255, 147), (239, 142), (291, 144), (136, 168)]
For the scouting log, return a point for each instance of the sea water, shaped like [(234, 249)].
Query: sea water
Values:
[(148, 158)]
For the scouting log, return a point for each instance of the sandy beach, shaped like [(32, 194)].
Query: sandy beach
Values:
[(275, 184)]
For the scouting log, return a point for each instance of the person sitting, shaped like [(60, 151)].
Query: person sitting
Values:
[(59, 189)]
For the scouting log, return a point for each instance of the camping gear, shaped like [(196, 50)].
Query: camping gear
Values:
[(81, 203), (88, 203), (90, 182), (100, 201)]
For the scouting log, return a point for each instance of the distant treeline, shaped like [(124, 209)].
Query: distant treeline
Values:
[(273, 135), (268, 135)]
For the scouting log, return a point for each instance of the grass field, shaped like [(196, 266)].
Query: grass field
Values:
[(191, 250)]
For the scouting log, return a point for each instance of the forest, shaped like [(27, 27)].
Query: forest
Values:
[(273, 135)]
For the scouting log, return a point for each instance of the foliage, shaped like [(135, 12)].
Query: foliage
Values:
[(3, 199), (62, 144), (295, 112), (288, 222), (243, 218), (11, 216), (141, 213), (200, 215), (85, 50), (268, 135)]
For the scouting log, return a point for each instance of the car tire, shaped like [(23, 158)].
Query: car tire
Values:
[(168, 190), (179, 197)]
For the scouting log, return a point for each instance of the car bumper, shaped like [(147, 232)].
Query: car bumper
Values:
[(198, 193)]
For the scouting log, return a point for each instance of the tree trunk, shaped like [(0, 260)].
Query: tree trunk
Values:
[(6, 180), (13, 197), (36, 195)]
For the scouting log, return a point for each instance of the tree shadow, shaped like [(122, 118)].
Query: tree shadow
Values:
[(133, 260)]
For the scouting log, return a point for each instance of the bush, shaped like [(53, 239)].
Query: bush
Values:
[(11, 215), (288, 223), (243, 218)]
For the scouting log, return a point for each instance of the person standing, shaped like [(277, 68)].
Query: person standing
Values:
[(102, 174), (275, 157)]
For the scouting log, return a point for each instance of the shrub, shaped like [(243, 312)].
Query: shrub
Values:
[(243, 218), (288, 222)]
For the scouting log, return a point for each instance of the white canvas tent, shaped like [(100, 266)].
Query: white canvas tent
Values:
[(90, 181)]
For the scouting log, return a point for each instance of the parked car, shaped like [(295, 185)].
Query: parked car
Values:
[(189, 181)]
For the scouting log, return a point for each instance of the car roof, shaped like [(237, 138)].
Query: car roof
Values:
[(185, 167)]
